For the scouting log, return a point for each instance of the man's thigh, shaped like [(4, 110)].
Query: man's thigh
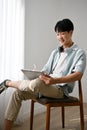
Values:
[(38, 86)]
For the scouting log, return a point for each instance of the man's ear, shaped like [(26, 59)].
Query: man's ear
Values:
[(71, 32)]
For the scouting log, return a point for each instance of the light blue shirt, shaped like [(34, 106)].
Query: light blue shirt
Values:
[(75, 62)]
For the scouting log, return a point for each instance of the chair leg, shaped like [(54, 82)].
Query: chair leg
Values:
[(48, 118), (63, 117), (31, 114), (81, 117)]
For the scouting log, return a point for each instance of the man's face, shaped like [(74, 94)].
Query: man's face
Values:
[(64, 37)]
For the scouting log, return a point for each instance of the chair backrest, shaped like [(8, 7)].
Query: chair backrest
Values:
[(80, 91)]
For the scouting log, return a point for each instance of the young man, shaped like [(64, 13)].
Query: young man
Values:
[(65, 65)]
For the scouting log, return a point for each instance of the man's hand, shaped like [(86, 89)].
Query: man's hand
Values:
[(48, 80)]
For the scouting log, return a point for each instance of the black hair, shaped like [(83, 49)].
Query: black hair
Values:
[(64, 25)]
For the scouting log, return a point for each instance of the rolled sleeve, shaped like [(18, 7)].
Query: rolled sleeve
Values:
[(81, 63)]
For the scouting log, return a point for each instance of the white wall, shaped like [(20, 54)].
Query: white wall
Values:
[(40, 19)]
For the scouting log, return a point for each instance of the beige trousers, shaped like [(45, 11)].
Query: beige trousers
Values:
[(29, 90)]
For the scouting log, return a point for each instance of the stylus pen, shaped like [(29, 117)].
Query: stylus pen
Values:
[(34, 67)]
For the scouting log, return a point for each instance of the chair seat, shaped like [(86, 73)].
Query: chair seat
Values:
[(45, 100)]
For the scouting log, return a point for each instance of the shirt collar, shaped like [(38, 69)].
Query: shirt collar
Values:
[(74, 47)]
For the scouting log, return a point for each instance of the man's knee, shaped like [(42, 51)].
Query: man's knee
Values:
[(35, 84)]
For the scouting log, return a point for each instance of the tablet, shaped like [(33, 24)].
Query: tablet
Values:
[(31, 74)]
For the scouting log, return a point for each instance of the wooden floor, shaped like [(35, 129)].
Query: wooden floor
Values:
[(72, 120)]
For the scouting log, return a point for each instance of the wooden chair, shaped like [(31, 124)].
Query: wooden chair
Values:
[(50, 102)]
